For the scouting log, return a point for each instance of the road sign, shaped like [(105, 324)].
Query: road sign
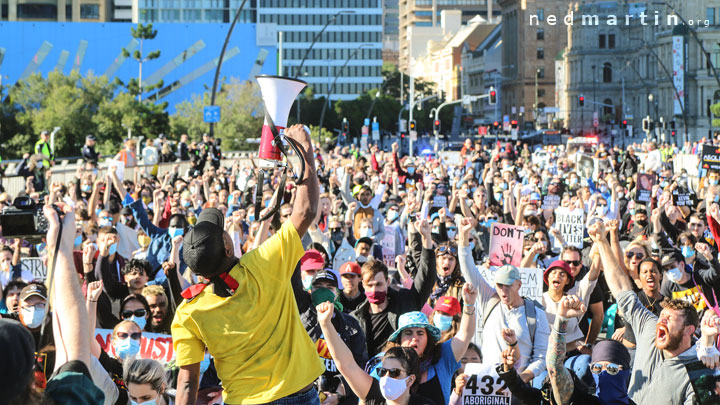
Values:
[(466, 99), (365, 130), (376, 131), (211, 113), (403, 125), (596, 122), (413, 135), (367, 122)]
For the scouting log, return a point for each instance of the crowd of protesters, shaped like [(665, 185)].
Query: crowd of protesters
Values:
[(370, 284)]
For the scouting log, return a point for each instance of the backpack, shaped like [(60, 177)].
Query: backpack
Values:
[(530, 315)]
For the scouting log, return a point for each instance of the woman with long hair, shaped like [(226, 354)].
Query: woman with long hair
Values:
[(399, 371), (146, 384)]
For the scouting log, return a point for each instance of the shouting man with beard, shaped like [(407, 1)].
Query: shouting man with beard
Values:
[(664, 342)]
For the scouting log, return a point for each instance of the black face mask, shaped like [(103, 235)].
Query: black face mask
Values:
[(642, 223), (338, 236)]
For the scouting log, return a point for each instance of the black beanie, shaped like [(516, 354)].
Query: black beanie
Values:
[(612, 351)]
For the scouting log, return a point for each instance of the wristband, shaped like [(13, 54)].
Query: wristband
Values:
[(514, 344), (469, 305)]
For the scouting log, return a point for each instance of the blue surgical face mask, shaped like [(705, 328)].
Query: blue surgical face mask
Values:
[(185, 203), (104, 222), (205, 363), (86, 188), (687, 251), (411, 170), (498, 196), (139, 320), (127, 347), (472, 245), (150, 402), (443, 322), (251, 217), (307, 282), (78, 241), (112, 249), (175, 232), (392, 215), (714, 182), (674, 274)]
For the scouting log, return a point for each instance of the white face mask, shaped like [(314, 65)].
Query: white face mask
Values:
[(601, 210), (366, 233), (674, 274), (32, 317), (392, 389)]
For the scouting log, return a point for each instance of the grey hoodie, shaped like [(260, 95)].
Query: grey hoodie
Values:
[(655, 379)]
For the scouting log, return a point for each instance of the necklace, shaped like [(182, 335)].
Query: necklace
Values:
[(650, 305)]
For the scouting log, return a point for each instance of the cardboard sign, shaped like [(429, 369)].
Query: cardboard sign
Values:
[(388, 247), (710, 159), (506, 244), (531, 277), (34, 265), (587, 166), (120, 168), (484, 386), (644, 186), (152, 345), (571, 225)]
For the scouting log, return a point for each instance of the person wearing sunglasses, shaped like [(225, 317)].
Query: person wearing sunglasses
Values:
[(136, 308), (399, 370), (449, 279), (635, 252)]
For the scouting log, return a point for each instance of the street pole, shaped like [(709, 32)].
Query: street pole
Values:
[(220, 61), (594, 102), (412, 107), (332, 88), (535, 107), (298, 71)]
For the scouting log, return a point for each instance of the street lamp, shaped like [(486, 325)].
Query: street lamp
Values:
[(593, 100), (307, 51), (535, 113), (326, 104), (651, 99)]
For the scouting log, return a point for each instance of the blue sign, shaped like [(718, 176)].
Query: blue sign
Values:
[(367, 122), (375, 126), (211, 113)]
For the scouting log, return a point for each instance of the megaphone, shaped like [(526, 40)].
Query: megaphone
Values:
[(278, 94)]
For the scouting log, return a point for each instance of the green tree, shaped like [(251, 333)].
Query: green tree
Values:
[(137, 87), (715, 109), (241, 115)]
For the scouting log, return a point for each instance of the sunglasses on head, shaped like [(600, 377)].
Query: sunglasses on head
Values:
[(140, 313), (390, 372), (611, 368), (637, 255), (134, 336), (447, 249)]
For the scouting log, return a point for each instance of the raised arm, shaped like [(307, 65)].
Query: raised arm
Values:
[(307, 193), (359, 381), (94, 290), (617, 280), (467, 264), (466, 332), (72, 336), (562, 382)]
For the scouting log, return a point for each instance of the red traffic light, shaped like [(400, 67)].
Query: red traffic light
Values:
[(513, 122), (582, 98), (402, 135), (624, 122), (496, 124), (492, 93), (437, 123)]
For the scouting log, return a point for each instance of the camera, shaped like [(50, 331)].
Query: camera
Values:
[(24, 219)]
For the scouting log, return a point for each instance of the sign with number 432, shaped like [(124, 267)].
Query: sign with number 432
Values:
[(484, 386)]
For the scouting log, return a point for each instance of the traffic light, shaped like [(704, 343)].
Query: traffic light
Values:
[(412, 125), (672, 125), (514, 124), (646, 124), (623, 125), (346, 129), (581, 101), (672, 132), (492, 96), (436, 126)]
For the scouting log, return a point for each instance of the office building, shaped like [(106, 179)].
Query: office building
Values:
[(60, 10), (391, 31)]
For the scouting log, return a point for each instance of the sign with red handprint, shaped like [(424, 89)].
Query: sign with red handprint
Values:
[(506, 244)]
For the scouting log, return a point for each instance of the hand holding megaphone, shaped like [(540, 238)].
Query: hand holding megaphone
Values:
[(300, 134)]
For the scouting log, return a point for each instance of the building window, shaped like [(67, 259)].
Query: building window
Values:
[(607, 73), (601, 41), (611, 41), (89, 11), (541, 53), (540, 72), (541, 14), (710, 15), (540, 34), (541, 93)]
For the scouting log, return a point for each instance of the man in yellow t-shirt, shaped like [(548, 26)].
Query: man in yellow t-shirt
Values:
[(246, 315)]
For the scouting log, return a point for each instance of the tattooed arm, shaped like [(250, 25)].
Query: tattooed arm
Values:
[(560, 378)]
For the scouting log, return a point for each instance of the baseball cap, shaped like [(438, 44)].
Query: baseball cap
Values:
[(326, 275), (312, 260), (90, 137), (350, 268), (33, 289), (204, 248), (17, 358), (162, 136), (672, 257), (507, 274), (212, 215), (449, 305)]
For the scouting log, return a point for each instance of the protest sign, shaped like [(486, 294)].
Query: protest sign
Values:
[(550, 202), (531, 277), (645, 183), (587, 166), (36, 266), (388, 247), (506, 244), (710, 158), (119, 165), (571, 226), (152, 345), (484, 386), (683, 199)]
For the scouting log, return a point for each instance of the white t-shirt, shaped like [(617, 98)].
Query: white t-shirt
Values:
[(6, 276)]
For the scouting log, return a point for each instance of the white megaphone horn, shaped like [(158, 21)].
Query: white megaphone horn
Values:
[(278, 94)]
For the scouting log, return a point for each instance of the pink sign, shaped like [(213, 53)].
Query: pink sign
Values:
[(152, 345), (506, 244)]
